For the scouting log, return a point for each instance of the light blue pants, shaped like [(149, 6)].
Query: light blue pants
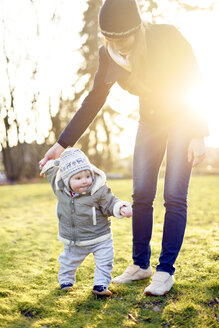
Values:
[(73, 256)]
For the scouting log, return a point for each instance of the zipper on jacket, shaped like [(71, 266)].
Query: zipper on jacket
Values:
[(73, 205)]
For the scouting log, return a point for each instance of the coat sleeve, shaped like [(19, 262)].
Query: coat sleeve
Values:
[(90, 106), (110, 204), (50, 170)]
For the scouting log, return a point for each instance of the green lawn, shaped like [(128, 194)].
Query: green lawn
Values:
[(29, 249)]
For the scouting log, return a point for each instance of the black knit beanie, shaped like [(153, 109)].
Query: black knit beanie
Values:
[(119, 18)]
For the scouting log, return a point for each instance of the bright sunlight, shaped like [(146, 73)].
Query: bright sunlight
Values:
[(200, 27)]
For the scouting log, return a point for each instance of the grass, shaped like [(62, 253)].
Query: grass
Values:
[(29, 249)]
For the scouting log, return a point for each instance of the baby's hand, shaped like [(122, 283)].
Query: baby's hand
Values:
[(126, 211)]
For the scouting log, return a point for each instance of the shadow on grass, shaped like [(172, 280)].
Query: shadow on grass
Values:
[(65, 310), (59, 309), (77, 309)]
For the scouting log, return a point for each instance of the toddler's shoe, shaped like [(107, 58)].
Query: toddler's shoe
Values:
[(161, 283), (67, 287), (101, 291), (132, 273)]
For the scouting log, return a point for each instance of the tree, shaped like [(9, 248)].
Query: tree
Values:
[(99, 140), (20, 120), (12, 150)]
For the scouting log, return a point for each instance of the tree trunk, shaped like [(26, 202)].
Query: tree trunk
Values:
[(13, 161)]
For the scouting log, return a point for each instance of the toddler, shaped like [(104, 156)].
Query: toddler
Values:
[(85, 203)]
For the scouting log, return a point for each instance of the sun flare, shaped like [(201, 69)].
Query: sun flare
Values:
[(200, 28)]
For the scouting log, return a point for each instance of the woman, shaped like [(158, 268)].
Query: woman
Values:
[(156, 63)]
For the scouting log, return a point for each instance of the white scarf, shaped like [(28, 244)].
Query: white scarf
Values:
[(119, 59)]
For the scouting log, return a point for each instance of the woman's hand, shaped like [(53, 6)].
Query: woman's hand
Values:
[(53, 153), (196, 151)]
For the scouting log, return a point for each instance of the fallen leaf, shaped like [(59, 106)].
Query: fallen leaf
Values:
[(130, 316)]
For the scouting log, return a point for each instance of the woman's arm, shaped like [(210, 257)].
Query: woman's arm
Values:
[(90, 106)]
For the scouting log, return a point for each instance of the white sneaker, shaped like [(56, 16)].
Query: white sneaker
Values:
[(132, 273), (161, 283)]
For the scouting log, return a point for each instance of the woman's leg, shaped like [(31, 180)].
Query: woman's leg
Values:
[(177, 177), (148, 155)]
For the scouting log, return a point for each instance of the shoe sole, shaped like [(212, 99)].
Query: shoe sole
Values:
[(104, 293), (150, 293)]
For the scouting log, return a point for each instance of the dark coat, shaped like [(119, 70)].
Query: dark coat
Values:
[(172, 72)]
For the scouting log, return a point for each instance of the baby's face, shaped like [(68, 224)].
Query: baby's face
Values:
[(81, 181)]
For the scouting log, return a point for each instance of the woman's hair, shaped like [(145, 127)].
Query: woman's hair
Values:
[(138, 79)]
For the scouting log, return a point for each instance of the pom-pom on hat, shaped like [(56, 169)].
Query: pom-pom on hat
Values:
[(72, 161), (119, 18)]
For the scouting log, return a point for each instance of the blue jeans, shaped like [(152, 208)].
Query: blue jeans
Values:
[(151, 143)]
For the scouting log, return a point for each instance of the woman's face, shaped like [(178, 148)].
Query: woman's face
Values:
[(122, 45)]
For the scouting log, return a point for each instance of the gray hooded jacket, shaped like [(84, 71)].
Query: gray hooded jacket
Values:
[(84, 219)]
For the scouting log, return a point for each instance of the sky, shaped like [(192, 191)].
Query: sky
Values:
[(56, 52)]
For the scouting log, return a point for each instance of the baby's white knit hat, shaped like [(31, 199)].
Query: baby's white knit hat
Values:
[(72, 161)]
